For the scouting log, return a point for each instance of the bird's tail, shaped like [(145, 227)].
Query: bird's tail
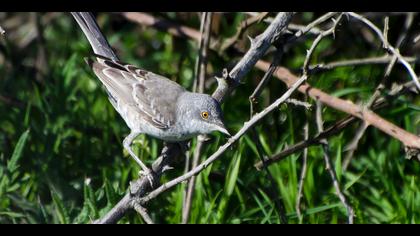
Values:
[(94, 35)]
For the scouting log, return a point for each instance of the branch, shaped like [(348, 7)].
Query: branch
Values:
[(143, 212), (387, 46), (303, 171), (140, 186), (411, 142), (357, 62), (267, 76), (329, 165), (243, 26), (259, 46)]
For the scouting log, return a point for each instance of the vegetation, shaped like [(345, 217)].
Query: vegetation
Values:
[(61, 153)]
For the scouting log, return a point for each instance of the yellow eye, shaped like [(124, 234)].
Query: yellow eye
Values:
[(205, 115)]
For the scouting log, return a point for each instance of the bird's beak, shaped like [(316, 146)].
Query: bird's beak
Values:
[(221, 127)]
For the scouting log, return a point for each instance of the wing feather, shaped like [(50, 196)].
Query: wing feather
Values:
[(154, 95)]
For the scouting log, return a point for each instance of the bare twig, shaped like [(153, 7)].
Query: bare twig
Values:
[(243, 26), (313, 24), (296, 102), (387, 46), (407, 25), (316, 42), (267, 76), (356, 62), (143, 212), (303, 171), (329, 165), (259, 46), (416, 39)]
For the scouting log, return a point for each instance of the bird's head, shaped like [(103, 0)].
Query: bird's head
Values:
[(201, 113)]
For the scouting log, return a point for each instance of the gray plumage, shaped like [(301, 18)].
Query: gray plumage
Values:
[(152, 104), (149, 103)]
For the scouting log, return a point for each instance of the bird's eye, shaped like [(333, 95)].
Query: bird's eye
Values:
[(205, 115)]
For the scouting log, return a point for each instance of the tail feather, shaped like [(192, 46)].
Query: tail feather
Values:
[(94, 35)]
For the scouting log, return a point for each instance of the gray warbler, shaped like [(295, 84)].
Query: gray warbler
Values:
[(149, 103)]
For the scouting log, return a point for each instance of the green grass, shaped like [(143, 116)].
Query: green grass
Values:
[(62, 160)]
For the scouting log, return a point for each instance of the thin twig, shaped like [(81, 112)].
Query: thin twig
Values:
[(407, 25), (313, 24), (267, 76), (243, 26), (303, 171), (329, 165), (296, 102), (387, 46), (357, 62), (143, 212)]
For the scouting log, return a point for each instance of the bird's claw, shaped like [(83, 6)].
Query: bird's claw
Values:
[(148, 174)]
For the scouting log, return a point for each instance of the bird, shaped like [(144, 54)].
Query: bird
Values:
[(148, 103)]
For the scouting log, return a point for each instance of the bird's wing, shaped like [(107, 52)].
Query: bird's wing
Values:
[(154, 95)]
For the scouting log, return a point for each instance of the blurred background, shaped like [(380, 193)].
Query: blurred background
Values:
[(61, 153)]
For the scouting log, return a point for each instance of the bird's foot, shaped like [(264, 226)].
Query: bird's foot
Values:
[(149, 175)]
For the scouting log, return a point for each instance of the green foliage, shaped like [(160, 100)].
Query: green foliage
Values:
[(61, 154)]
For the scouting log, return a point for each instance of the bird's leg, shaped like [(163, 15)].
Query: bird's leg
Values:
[(127, 145)]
